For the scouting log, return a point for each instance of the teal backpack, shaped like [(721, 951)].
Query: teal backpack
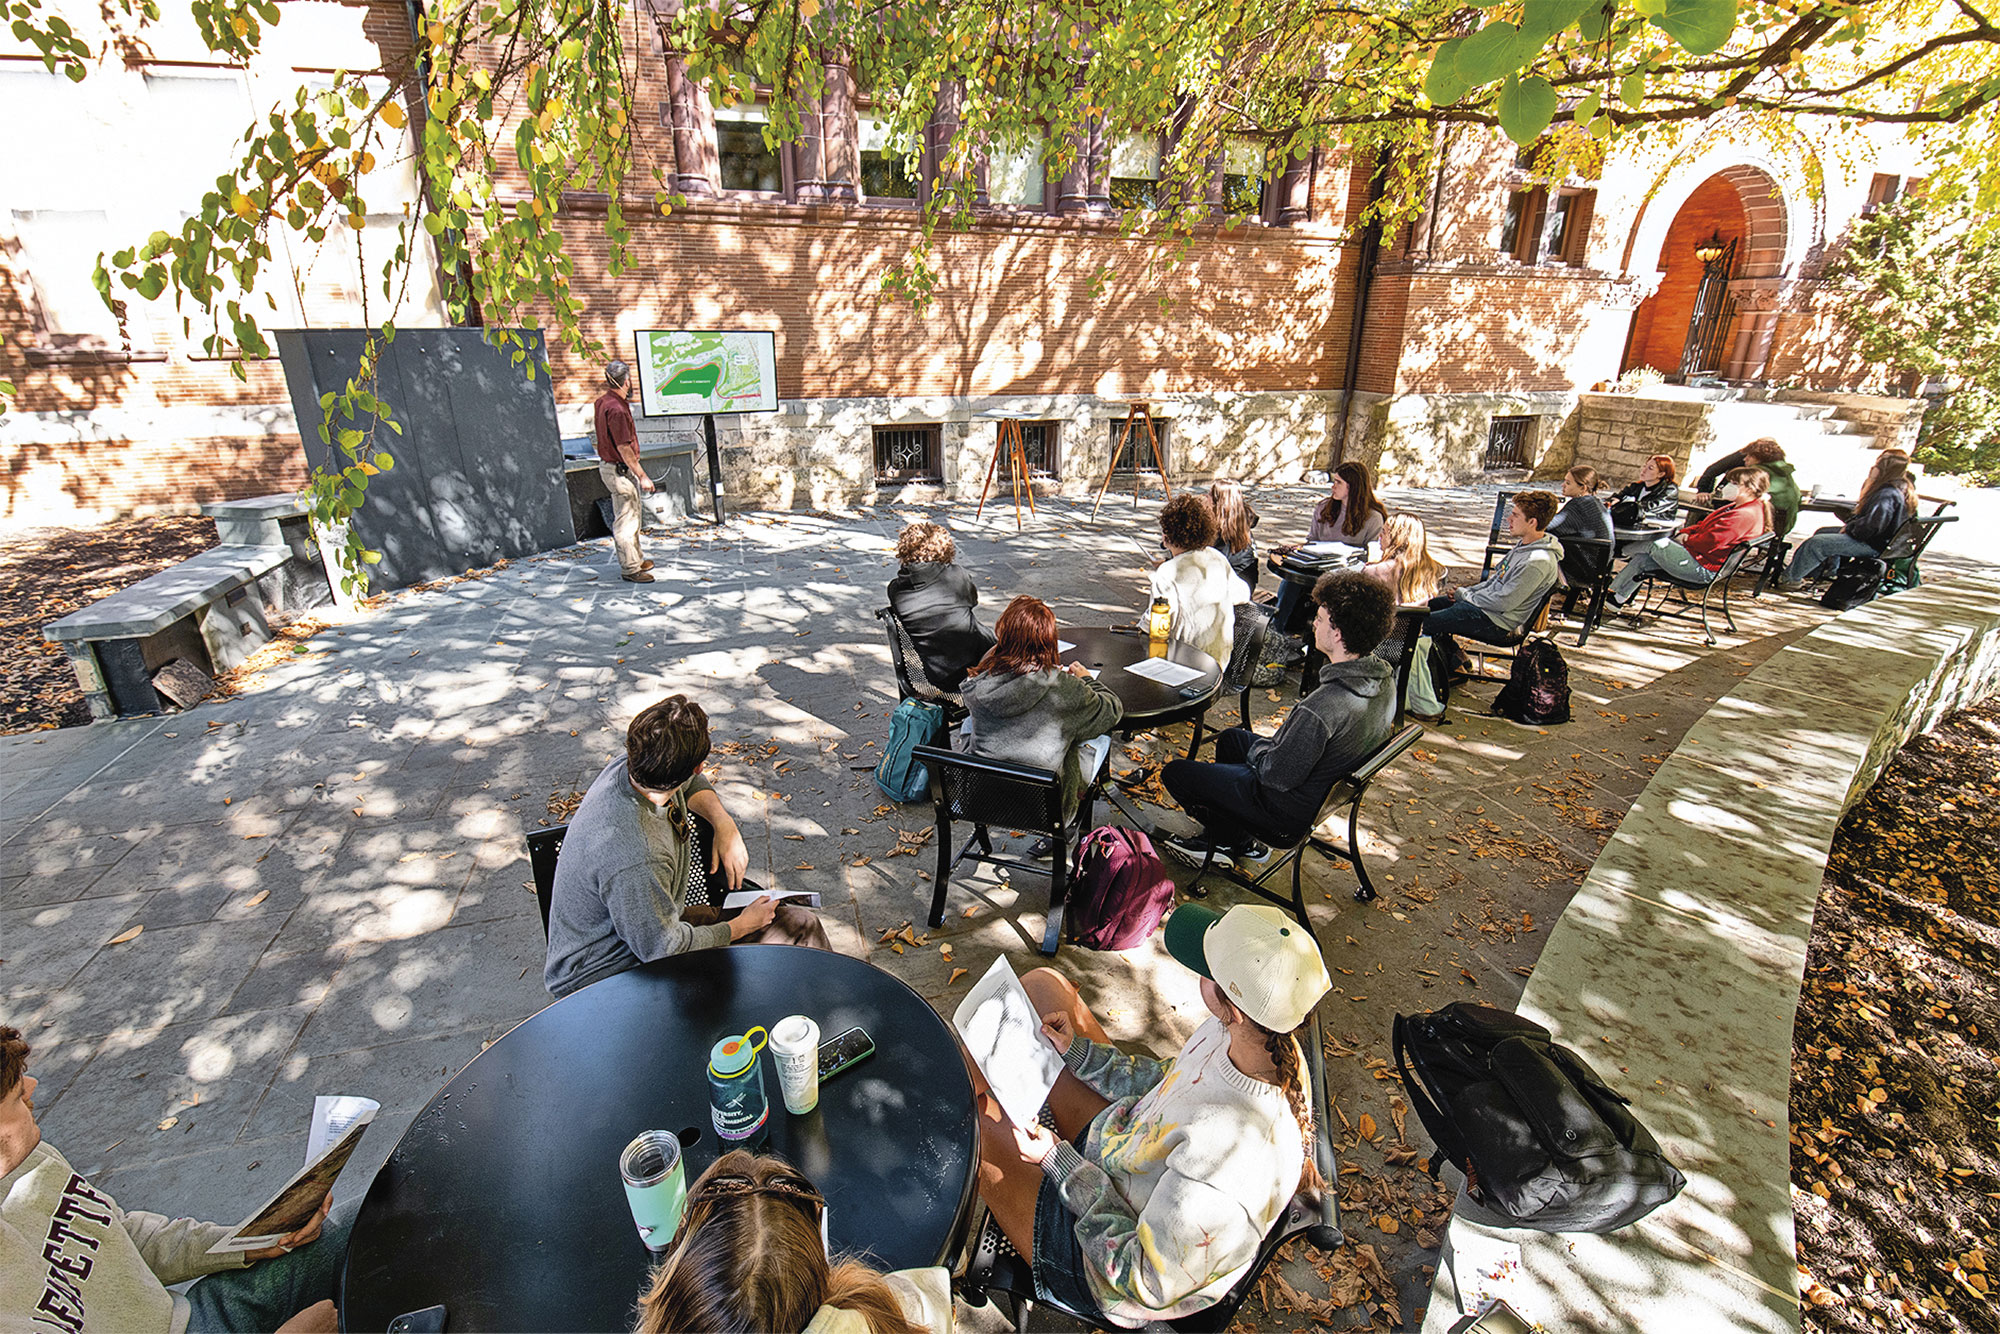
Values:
[(913, 724)]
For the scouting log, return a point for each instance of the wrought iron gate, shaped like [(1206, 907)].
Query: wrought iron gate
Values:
[(1713, 318)]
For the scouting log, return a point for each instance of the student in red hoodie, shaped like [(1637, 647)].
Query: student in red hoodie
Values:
[(1699, 551)]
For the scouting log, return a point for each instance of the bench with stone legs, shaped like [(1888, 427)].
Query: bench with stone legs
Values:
[(206, 613)]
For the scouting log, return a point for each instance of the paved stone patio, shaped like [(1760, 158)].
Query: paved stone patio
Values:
[(330, 873)]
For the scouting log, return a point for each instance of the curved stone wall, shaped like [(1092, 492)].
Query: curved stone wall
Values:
[(1676, 969)]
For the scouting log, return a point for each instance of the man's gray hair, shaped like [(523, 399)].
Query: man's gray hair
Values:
[(616, 373)]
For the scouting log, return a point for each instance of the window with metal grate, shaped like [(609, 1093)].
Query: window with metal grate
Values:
[(908, 454)]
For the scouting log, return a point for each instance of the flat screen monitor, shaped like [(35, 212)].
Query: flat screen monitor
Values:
[(687, 372)]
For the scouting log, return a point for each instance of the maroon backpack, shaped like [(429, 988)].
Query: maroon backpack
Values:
[(1121, 892)]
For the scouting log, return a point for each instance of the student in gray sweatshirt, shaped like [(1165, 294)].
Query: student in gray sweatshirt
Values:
[(1024, 708), (1270, 788), (1496, 609)]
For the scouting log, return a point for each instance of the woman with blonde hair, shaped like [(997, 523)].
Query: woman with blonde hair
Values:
[(1407, 566), (749, 1256)]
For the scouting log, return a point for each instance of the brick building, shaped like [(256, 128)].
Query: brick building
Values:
[(1280, 336)]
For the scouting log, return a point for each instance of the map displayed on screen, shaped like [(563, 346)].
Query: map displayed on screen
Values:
[(686, 372)]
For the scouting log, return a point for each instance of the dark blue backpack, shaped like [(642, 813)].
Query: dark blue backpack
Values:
[(913, 724)]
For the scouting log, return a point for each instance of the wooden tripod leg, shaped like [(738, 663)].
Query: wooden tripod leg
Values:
[(1159, 460), (1117, 449), (991, 464), (1010, 439), (1021, 462)]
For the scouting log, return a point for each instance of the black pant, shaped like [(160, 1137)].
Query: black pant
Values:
[(1224, 795)]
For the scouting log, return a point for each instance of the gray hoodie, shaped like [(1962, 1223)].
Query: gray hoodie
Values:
[(1509, 597), (1036, 718), (1324, 737)]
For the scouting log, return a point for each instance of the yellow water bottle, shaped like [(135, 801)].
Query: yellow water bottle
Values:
[(1159, 621)]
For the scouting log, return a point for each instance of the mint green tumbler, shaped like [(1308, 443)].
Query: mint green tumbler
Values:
[(655, 1185)]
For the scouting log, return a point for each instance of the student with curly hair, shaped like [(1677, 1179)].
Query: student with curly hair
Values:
[(1200, 588), (749, 1259), (934, 599), (1167, 1174)]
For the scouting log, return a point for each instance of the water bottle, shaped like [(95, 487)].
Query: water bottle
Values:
[(1159, 621), (736, 1101)]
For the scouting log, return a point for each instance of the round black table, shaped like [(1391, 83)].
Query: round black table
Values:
[(503, 1201), (1147, 703)]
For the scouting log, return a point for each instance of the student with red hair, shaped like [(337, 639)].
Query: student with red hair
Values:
[(1654, 499)]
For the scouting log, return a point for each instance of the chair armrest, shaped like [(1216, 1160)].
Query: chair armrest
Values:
[(1387, 752)]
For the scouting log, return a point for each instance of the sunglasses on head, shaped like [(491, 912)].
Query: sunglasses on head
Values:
[(716, 1189)]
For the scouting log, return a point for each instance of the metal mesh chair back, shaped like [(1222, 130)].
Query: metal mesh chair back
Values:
[(992, 792), (1740, 553), (908, 662), (1246, 650)]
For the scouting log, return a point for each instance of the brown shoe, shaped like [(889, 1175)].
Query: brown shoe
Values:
[(642, 577), (645, 565)]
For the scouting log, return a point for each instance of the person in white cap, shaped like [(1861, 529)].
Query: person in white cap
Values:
[(618, 465), (1168, 1174)]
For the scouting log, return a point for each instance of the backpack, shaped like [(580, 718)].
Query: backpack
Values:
[(1856, 582), (1121, 892), (913, 724), (1430, 686), (1540, 1138), (1537, 690)]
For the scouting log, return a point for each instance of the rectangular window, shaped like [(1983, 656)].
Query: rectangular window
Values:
[(1137, 456), (1039, 441), (1521, 231), (1572, 223), (1883, 190), (1135, 172), (884, 174), (907, 454), (1243, 169), (59, 249), (745, 161), (1014, 172), (1507, 441)]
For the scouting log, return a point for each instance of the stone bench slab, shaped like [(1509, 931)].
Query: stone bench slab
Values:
[(156, 602)]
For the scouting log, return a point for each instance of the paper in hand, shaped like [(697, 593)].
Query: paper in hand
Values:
[(1003, 1032), (743, 898), (336, 1130)]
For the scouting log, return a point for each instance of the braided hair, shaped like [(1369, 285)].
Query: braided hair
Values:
[(1289, 1059)]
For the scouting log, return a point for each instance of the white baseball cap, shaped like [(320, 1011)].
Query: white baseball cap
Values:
[(1263, 960)]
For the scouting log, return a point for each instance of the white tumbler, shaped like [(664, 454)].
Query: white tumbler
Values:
[(795, 1048)]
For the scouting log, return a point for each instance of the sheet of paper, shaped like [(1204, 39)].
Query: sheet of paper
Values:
[(1165, 672), (1004, 1034), (1064, 646), (299, 1199), (743, 898)]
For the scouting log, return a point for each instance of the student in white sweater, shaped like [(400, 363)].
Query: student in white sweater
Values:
[(71, 1260), (1196, 580), (1168, 1174)]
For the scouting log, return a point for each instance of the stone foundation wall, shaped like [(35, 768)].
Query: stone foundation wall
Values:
[(1440, 439)]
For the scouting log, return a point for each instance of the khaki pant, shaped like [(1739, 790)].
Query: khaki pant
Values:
[(793, 925), (624, 516)]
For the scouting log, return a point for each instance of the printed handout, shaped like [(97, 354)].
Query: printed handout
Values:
[(1004, 1034), (337, 1123)]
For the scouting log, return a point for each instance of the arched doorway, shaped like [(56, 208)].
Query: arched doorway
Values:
[(1736, 221)]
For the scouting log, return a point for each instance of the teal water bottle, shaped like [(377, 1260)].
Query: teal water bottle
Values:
[(736, 1101)]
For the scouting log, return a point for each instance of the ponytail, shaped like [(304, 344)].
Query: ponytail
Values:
[(1290, 1062), (857, 1288)]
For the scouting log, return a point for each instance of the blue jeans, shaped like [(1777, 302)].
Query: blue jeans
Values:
[(1822, 549), (1462, 618), (270, 1292), (1668, 557)]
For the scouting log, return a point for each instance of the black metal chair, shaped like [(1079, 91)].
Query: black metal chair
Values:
[(1508, 648), (1899, 558), (1667, 586), (1595, 590), (1348, 792), (988, 792), (1246, 655), (544, 846), (1399, 649), (903, 652), (1497, 541), (1313, 1211)]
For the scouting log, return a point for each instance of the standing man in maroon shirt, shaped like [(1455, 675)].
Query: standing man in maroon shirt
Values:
[(618, 450)]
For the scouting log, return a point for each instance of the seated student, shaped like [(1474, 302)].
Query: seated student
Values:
[(1653, 499), (1271, 788), (1407, 568), (1234, 518), (1769, 455), (934, 600), (1888, 498), (71, 1259), (1168, 1174), (1022, 707), (638, 876), (1699, 551), (748, 1259), (1586, 517), (1351, 516), (1200, 588), (1496, 609)]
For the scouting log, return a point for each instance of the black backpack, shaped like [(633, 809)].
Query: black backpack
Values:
[(1537, 690), (1540, 1138)]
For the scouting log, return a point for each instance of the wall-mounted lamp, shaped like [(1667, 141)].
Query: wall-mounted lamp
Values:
[(1710, 250)]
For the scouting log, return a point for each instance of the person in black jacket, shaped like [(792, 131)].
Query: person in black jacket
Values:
[(934, 600), (1654, 499), (1887, 500), (1583, 525)]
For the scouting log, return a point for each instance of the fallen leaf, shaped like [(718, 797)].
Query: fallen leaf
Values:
[(124, 936), (169, 1123), (258, 898), (1366, 1125), (956, 973)]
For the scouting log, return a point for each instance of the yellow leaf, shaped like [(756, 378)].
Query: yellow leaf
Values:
[(258, 898), (366, 161), (956, 973), (392, 113), (240, 205), (124, 936), (436, 33), (808, 8), (356, 221), (1366, 1125), (945, 951), (169, 1123), (1389, 1225)]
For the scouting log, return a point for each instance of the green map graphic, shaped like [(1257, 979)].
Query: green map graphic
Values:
[(693, 372)]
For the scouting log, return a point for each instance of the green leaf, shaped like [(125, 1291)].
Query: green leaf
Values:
[(1586, 110), (1702, 26), (1546, 18), (1494, 52), (1525, 107), (1596, 22), (1443, 85), (383, 461), (1632, 90), (350, 439)]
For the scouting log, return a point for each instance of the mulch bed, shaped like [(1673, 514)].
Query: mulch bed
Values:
[(1896, 1058), (47, 573)]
